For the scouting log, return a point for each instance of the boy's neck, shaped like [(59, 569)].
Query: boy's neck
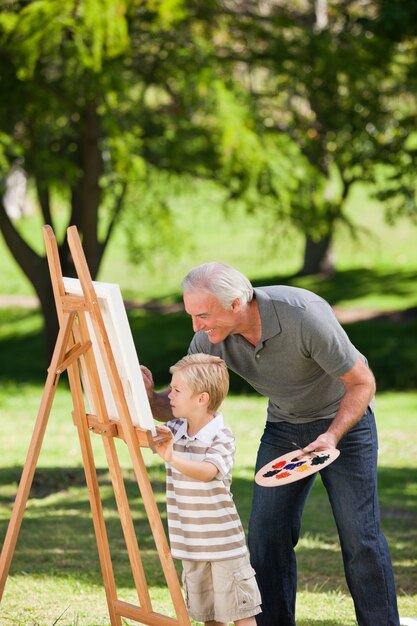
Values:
[(197, 422)]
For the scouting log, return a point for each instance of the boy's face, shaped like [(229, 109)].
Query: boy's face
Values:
[(184, 403)]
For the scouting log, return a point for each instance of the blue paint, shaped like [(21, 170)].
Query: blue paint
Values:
[(291, 466)]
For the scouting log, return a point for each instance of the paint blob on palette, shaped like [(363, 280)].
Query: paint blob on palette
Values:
[(294, 466)]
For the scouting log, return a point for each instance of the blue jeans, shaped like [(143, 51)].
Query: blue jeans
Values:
[(274, 527)]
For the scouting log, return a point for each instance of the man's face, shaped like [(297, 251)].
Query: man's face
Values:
[(208, 315)]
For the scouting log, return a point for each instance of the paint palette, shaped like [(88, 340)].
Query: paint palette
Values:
[(294, 466)]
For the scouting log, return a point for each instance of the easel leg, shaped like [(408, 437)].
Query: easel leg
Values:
[(34, 450), (95, 500), (126, 521), (158, 532)]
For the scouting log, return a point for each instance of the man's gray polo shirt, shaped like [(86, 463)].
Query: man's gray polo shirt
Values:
[(296, 364)]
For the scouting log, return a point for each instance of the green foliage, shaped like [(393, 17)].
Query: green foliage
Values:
[(339, 89), (168, 12), (7, 147), (92, 95), (88, 31), (48, 59), (395, 187), (152, 233)]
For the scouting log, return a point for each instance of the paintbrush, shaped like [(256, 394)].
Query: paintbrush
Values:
[(298, 446)]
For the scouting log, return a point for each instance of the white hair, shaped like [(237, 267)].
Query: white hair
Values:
[(223, 281)]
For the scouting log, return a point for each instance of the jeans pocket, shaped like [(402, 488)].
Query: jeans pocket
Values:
[(247, 592)]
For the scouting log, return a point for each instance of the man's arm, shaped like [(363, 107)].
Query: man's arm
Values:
[(159, 401), (360, 387)]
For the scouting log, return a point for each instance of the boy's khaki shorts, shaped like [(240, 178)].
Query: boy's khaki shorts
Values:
[(223, 591)]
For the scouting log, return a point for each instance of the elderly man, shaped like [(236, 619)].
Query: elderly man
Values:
[(287, 344)]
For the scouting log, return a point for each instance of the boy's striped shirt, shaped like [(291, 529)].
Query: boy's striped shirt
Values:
[(202, 519)]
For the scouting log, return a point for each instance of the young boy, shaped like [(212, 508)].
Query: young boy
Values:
[(204, 527)]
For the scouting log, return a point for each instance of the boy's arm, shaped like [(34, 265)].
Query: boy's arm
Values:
[(199, 470)]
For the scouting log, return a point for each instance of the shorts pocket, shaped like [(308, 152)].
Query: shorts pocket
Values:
[(247, 592), (185, 588)]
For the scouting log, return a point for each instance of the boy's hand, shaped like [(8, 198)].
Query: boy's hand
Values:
[(165, 447), (199, 470)]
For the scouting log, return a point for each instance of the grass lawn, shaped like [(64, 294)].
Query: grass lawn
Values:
[(55, 569)]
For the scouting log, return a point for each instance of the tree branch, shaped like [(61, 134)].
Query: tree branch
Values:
[(27, 259), (115, 216)]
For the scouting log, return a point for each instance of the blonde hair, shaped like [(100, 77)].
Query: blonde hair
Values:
[(203, 372)]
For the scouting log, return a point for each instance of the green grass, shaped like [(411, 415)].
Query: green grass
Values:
[(55, 566)]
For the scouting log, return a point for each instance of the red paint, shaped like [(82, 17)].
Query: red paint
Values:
[(280, 464)]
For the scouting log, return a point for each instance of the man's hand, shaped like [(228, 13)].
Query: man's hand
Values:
[(148, 380), (159, 401), (323, 442)]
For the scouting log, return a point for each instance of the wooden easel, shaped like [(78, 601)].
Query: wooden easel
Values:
[(74, 343)]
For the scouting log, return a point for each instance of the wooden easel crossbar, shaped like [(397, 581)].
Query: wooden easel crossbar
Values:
[(73, 353)]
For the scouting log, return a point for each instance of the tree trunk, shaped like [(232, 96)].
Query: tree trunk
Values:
[(35, 268), (86, 198), (89, 188), (48, 308), (318, 257)]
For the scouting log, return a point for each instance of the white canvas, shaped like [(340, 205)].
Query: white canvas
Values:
[(121, 341)]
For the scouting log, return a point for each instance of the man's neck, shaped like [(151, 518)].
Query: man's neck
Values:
[(251, 325)]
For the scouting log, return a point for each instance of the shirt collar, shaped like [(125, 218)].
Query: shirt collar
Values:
[(206, 434), (269, 317)]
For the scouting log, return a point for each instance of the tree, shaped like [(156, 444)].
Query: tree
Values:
[(52, 70), (394, 183), (94, 91), (328, 77)]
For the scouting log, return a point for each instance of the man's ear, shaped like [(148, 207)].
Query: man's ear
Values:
[(236, 305)]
